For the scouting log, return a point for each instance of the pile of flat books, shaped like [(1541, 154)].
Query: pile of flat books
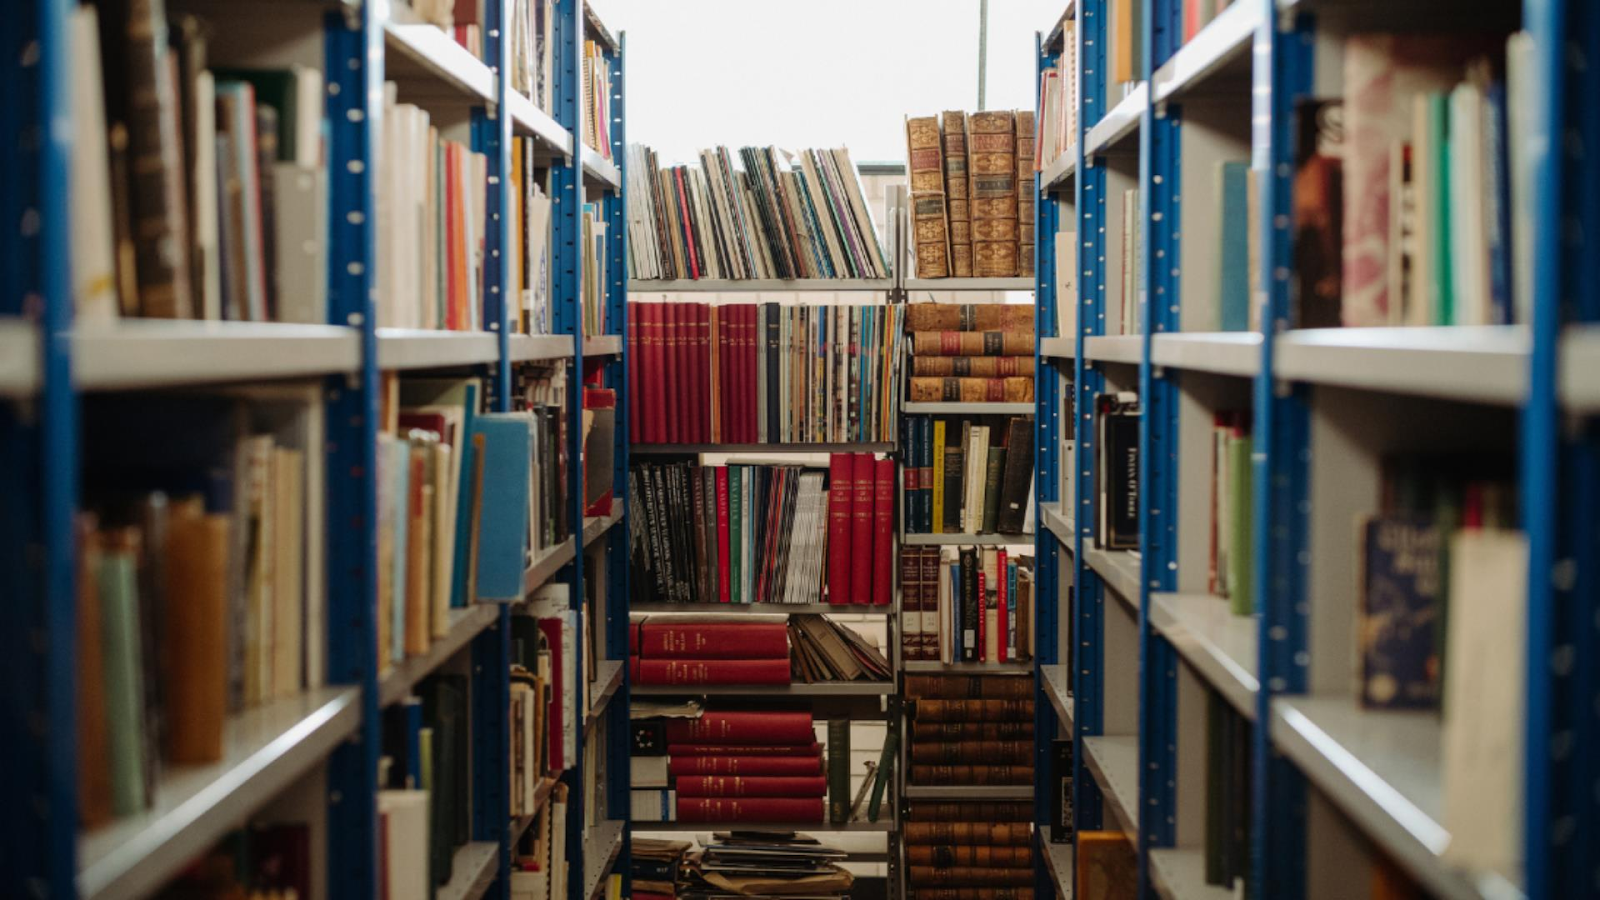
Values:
[(971, 352), (766, 864), (765, 213), (655, 865), (822, 650)]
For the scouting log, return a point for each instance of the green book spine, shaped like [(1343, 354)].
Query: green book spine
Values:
[(1241, 592), (991, 488), (124, 687), (838, 771), (891, 747), (1439, 128)]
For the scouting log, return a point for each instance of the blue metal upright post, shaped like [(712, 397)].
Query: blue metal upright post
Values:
[(1281, 473), (353, 46), (38, 466), (1158, 446)]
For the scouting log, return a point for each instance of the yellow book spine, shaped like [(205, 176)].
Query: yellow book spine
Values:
[(938, 477)]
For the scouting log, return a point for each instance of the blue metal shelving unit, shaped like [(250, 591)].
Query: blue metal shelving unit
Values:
[(39, 447)]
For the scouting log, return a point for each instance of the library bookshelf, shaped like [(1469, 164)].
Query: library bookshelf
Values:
[(322, 745), (1339, 790)]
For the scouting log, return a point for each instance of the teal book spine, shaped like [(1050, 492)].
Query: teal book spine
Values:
[(124, 680), (1233, 290), (1439, 128), (503, 513), (463, 547)]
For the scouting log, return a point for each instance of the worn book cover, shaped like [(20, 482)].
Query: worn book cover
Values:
[(1402, 557), (929, 221)]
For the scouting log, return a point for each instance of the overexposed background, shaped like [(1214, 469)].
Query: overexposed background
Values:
[(822, 73)]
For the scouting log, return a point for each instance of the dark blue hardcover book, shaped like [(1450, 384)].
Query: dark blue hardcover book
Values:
[(1403, 566), (1497, 210)]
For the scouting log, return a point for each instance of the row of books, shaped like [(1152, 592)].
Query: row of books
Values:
[(768, 865), (592, 292), (972, 193), (969, 850), (1229, 572), (729, 766), (199, 589), (545, 638), (432, 218), (1057, 131), (764, 372), (597, 88), (532, 254), (750, 534), (979, 720), (771, 650), (1130, 271), (958, 482), (782, 215), (260, 861), (193, 188), (539, 866), (966, 604), (461, 19), (654, 865), (532, 680), (971, 352), (423, 809), (533, 41), (1419, 186)]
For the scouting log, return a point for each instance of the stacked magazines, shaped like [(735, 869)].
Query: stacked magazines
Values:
[(766, 864), (774, 214)]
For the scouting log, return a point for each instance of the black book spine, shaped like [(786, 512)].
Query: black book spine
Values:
[(1124, 482), (969, 605), (1061, 797), (774, 367)]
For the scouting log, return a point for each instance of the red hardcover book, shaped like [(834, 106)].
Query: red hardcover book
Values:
[(702, 337), (683, 212), (631, 328), (552, 635), (841, 503), (752, 785), (644, 321), (710, 671), (650, 895), (813, 749), (751, 354), (744, 765), (679, 385), (669, 375), (737, 389), (1001, 619), (669, 639), (865, 469), (883, 534), (691, 371), (983, 616), (724, 526), (739, 727), (751, 809)]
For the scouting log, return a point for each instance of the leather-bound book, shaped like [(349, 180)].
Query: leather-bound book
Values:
[(973, 731), (971, 875), (710, 671), (676, 639), (749, 765), (197, 631), (971, 390), (974, 893), (753, 785), (1015, 317), (972, 366), (997, 774), (957, 188), (911, 602), (982, 855), (1018, 476), (929, 223), (992, 147), (757, 728), (1018, 811), (967, 753), (972, 710), (972, 343), (969, 687), (944, 833), (931, 621), (1025, 194)]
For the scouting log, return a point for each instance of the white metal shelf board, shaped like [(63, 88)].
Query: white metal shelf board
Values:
[(1220, 352), (602, 345), (546, 566), (1118, 348), (969, 284), (1224, 39), (1120, 122), (980, 540), (154, 353), (472, 871), (1381, 767), (599, 170), (676, 449), (1058, 174), (1179, 873), (969, 792), (608, 678), (1057, 524), (752, 286), (541, 793), (601, 846), (529, 119), (419, 348), (532, 347), (819, 689), (1580, 369), (929, 667), (465, 624), (19, 357), (596, 526), (1114, 761), (1058, 348), (1058, 858), (736, 609), (1119, 569), (264, 751), (1480, 364), (1214, 642), (1057, 689), (424, 53), (973, 409)]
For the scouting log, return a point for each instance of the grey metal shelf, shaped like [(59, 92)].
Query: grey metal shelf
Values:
[(1120, 123), (465, 624), (265, 750), (1223, 45), (1114, 760), (758, 285), (153, 353), (520, 824), (756, 609), (1214, 642), (1120, 348), (680, 449), (602, 345), (1482, 364), (425, 58), (1058, 174), (546, 566), (1057, 524), (528, 119), (1179, 873), (969, 792), (418, 348), (595, 527), (471, 872), (969, 284), (1120, 571), (974, 409), (608, 678), (19, 357), (1058, 690), (1059, 860), (1058, 348), (981, 540), (536, 347), (599, 171), (1219, 352), (606, 838)]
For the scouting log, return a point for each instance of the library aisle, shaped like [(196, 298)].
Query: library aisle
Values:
[(419, 480)]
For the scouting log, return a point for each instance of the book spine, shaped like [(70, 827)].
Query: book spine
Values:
[(911, 603), (712, 671), (734, 727), (970, 390), (676, 749), (972, 343), (724, 585), (745, 765), (883, 534), (861, 535), (713, 640), (938, 487), (751, 785), (751, 809)]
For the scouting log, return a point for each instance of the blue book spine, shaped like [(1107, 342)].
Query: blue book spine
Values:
[(413, 714), (503, 515), (1011, 609), (1400, 608), (463, 548), (1498, 209), (1233, 292)]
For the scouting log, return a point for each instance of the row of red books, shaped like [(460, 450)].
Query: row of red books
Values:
[(733, 766), (860, 529), (688, 652)]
